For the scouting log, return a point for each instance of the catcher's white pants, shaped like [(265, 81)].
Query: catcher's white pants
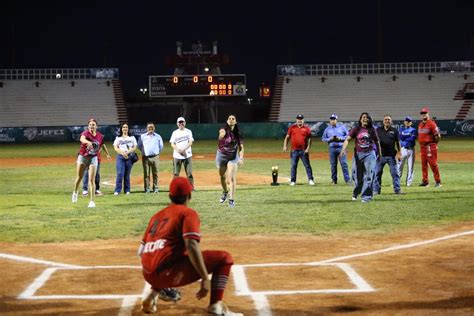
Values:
[(408, 156)]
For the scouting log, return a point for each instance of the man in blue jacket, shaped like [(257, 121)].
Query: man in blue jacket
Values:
[(408, 136), (335, 135)]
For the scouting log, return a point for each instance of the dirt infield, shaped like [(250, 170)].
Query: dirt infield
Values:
[(41, 161), (433, 278)]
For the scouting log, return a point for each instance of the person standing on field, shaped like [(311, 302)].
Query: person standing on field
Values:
[(335, 134), (91, 143), (300, 138), (365, 156), (428, 137), (171, 255), (125, 146), (229, 157), (408, 136), (85, 182), (151, 145), (390, 154), (181, 140)]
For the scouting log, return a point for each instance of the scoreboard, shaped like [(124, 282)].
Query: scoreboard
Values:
[(197, 86)]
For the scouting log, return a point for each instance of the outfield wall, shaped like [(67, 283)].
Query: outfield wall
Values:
[(200, 131)]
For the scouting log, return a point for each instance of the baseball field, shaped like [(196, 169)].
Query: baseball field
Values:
[(303, 250)]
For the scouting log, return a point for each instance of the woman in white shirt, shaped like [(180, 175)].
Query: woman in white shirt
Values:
[(125, 146)]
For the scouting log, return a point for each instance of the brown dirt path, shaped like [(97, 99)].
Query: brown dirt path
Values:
[(41, 161), (432, 279)]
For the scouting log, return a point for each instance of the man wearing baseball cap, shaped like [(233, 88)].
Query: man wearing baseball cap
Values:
[(171, 255), (335, 135), (300, 136), (407, 135), (181, 140), (428, 137)]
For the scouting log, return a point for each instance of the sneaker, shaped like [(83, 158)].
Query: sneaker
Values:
[(169, 294), (127, 193), (311, 182), (155, 191), (116, 193), (85, 193), (333, 182), (354, 198), (149, 303), (408, 184), (97, 192), (292, 183), (231, 203), (74, 197), (147, 191), (438, 185), (400, 193), (91, 204), (223, 197), (365, 201), (424, 184), (219, 308)]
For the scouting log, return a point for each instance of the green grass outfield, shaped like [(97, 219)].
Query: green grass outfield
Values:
[(35, 202)]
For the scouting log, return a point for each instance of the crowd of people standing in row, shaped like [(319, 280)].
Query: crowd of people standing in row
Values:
[(374, 148), (229, 156)]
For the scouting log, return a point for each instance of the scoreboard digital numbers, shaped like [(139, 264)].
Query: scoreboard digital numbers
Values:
[(197, 86)]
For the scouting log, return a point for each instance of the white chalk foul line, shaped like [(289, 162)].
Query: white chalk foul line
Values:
[(37, 261), (399, 247)]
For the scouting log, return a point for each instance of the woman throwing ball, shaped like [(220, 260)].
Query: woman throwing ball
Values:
[(230, 155), (91, 143)]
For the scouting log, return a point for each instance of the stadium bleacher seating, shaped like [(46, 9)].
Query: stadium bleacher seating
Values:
[(398, 95), (25, 103)]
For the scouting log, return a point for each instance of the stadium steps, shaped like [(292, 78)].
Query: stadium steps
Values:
[(119, 101), (464, 110), (276, 100), (459, 95)]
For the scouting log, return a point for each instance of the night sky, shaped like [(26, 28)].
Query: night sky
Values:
[(135, 36)]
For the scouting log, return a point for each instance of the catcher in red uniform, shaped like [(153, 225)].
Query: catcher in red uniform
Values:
[(428, 137), (171, 255)]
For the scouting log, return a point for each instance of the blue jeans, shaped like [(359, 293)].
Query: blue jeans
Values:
[(124, 167), (333, 156), (364, 174), (85, 181), (391, 161), (296, 155)]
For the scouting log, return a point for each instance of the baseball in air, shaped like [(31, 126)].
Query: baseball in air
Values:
[(58, 76)]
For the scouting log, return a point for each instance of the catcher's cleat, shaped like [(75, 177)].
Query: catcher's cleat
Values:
[(219, 308), (169, 294), (149, 303)]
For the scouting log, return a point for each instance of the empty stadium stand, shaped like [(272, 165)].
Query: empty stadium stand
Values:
[(68, 100), (399, 90)]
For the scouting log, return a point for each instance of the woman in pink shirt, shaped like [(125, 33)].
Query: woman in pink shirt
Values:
[(91, 143)]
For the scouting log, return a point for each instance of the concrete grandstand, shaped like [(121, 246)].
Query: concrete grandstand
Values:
[(395, 89), (60, 97)]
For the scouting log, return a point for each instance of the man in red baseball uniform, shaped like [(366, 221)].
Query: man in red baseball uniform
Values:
[(171, 255), (428, 137), (300, 137)]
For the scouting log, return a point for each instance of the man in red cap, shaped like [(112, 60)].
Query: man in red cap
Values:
[(428, 137), (171, 255)]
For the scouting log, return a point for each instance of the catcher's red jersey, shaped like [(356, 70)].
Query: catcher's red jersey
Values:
[(164, 237)]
